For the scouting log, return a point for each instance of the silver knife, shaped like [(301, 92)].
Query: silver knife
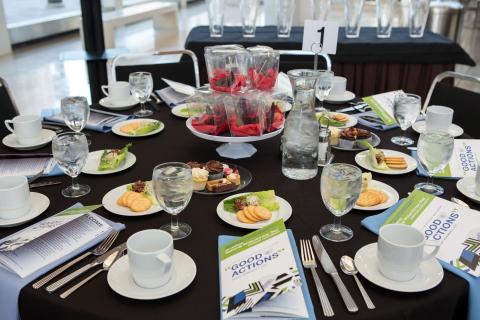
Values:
[(43, 184), (60, 283), (329, 268)]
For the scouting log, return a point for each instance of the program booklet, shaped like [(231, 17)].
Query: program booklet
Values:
[(382, 105), (34, 247), (455, 228), (259, 276)]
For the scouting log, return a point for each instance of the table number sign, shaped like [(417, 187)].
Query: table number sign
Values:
[(320, 36)]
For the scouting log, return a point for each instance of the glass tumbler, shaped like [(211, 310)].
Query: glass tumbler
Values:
[(417, 17), (227, 68), (263, 67), (285, 10), (353, 12), (385, 11), (216, 12), (320, 9), (248, 11)]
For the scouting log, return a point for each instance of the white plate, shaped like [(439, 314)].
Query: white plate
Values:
[(392, 194), (345, 97), (467, 187), (284, 213), (93, 160), (363, 161), (177, 111), (109, 202), (352, 121), (429, 275), (454, 130), (107, 103), (121, 281), (117, 126), (46, 137), (38, 204)]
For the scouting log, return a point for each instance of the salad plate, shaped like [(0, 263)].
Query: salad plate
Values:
[(390, 192), (364, 160), (123, 160), (181, 111), (137, 128), (338, 120)]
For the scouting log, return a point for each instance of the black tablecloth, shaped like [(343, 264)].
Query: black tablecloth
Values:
[(201, 299)]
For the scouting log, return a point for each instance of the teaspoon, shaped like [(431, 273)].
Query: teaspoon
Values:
[(348, 267)]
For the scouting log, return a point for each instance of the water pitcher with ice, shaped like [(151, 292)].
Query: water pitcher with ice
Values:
[(300, 137)]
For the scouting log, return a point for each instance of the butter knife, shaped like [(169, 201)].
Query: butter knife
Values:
[(60, 283), (329, 268), (43, 184)]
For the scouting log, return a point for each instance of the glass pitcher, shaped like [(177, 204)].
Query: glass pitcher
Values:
[(300, 136)]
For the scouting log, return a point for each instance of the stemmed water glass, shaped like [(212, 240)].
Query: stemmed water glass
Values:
[(434, 150), (76, 112), (406, 109), (70, 151), (324, 86), (340, 186), (141, 86), (173, 186)]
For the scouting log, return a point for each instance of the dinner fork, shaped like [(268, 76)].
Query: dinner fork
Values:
[(308, 261), (99, 250)]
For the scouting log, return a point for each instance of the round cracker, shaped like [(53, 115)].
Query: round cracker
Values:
[(249, 212), (140, 204), (368, 199), (242, 218), (383, 197), (131, 197), (263, 213), (122, 201)]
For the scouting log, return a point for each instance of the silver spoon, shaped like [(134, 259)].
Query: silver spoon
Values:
[(348, 267), (460, 202)]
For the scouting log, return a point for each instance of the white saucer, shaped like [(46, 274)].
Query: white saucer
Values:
[(107, 103), (392, 194), (454, 130), (363, 160), (121, 281), (428, 276), (284, 213), (467, 187), (93, 160), (46, 137), (345, 97), (109, 202), (117, 126), (38, 204)]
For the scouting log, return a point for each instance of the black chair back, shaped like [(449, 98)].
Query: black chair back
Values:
[(8, 110)]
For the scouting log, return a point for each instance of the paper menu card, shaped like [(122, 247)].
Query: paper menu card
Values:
[(463, 163), (260, 270), (455, 228), (382, 105)]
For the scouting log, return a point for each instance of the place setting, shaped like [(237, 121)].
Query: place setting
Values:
[(27, 133)]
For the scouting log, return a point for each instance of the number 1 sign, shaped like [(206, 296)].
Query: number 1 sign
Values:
[(320, 36)]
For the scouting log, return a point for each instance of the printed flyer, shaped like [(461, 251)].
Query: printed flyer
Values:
[(455, 228), (382, 105)]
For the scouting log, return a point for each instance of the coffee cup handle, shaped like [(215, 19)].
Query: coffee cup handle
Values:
[(104, 90), (428, 256), (7, 124), (165, 259)]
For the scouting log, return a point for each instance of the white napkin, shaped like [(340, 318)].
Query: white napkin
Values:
[(180, 87), (283, 85)]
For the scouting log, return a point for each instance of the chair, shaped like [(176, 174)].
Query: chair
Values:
[(8, 107), (465, 103), (179, 71), (289, 62)]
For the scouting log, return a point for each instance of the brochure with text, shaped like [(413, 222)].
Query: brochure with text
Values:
[(382, 105), (455, 228)]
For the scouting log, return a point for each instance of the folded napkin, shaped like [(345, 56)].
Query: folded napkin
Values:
[(171, 97), (371, 124), (283, 85), (308, 301), (12, 284), (373, 223), (421, 172), (101, 121)]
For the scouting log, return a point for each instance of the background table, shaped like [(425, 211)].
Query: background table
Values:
[(201, 299), (371, 65)]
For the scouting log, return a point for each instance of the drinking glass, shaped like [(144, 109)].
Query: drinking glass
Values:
[(173, 186), (75, 111), (340, 186), (248, 10), (435, 148), (70, 151), (285, 10), (353, 13), (385, 10), (320, 9), (216, 12), (406, 110), (324, 85), (417, 17), (141, 86)]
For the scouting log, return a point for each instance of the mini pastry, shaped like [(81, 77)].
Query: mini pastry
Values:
[(195, 164), (350, 136), (234, 178), (220, 185), (215, 169), (200, 177)]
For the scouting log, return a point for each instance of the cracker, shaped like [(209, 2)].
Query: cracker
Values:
[(382, 196), (368, 199), (122, 200), (131, 197), (263, 213), (242, 218), (249, 212), (140, 204)]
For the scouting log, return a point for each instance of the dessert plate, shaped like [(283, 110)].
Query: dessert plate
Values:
[(109, 201), (392, 194), (107, 103), (46, 136), (454, 130), (117, 126), (245, 179), (93, 159), (121, 281), (181, 111), (429, 274), (339, 99), (467, 187), (284, 213), (363, 160), (38, 204), (358, 147), (352, 121)]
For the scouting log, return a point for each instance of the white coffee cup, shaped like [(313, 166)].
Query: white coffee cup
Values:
[(438, 118), (150, 256), (118, 92), (339, 86), (400, 251), (14, 197), (27, 129)]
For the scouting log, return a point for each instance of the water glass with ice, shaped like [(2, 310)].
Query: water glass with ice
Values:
[(406, 109), (353, 12), (75, 111)]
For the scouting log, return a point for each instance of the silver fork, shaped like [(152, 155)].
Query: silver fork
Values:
[(308, 261), (98, 251)]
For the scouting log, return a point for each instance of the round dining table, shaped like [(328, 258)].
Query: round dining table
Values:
[(200, 300)]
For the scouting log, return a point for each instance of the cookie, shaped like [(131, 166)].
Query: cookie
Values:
[(368, 199), (140, 204), (263, 213), (242, 218)]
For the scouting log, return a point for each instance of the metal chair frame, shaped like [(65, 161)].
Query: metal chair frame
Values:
[(4, 84), (444, 75), (191, 54), (328, 61)]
